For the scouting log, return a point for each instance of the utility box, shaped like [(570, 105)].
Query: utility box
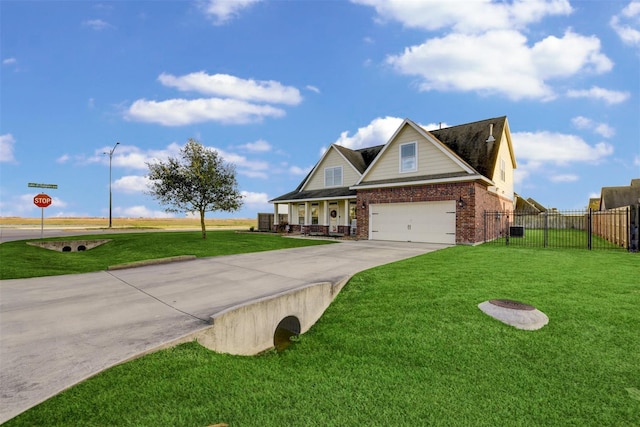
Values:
[(516, 231)]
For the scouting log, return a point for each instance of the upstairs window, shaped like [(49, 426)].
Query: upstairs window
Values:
[(409, 157), (333, 177), (503, 170)]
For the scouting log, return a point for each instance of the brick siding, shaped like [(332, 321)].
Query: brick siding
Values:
[(469, 218)]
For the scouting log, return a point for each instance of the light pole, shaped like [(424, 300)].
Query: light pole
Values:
[(110, 153)]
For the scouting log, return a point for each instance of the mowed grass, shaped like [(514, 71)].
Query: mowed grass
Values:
[(559, 238), (405, 345), (19, 260)]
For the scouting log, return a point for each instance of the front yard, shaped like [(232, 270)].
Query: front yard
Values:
[(405, 344)]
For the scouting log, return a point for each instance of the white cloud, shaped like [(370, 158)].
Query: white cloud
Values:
[(472, 17), (375, 133), (96, 24), (257, 201), (627, 24), (9, 61), (600, 94), (140, 212), (463, 62), (259, 146), (296, 170), (131, 184), (130, 156), (178, 112), (63, 159), (244, 166), (222, 11), (601, 129), (227, 86), (7, 143), (564, 178), (537, 148), (312, 88)]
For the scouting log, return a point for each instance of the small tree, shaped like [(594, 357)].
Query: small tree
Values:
[(198, 180)]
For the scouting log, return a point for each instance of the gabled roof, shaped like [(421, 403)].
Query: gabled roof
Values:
[(525, 205), (469, 141), (617, 197), (466, 167), (537, 205), (465, 144), (358, 159)]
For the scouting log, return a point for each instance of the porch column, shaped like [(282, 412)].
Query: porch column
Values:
[(325, 212), (275, 217), (346, 213), (307, 213)]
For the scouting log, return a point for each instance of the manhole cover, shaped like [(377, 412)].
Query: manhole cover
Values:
[(514, 305)]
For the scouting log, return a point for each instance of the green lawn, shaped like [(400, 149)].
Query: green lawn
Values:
[(20, 260), (558, 238), (405, 345)]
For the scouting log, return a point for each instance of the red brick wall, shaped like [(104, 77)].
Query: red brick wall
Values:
[(469, 218)]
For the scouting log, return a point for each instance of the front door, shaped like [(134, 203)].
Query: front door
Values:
[(333, 218)]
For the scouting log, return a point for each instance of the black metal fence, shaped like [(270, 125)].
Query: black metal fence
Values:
[(586, 229)]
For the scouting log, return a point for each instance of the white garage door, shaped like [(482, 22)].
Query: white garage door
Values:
[(431, 222)]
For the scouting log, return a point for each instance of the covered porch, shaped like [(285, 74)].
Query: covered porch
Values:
[(320, 217)]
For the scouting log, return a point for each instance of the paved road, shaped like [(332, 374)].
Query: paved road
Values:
[(57, 331)]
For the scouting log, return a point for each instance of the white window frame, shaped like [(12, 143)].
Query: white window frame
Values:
[(333, 176), (415, 157), (503, 170)]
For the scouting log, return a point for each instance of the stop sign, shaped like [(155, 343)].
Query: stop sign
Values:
[(42, 200)]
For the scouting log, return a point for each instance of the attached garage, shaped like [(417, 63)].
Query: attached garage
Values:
[(429, 222)]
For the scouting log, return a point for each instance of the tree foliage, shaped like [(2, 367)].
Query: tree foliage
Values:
[(198, 180)]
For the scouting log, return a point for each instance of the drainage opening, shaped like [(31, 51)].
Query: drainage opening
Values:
[(66, 249), (287, 328), (82, 248)]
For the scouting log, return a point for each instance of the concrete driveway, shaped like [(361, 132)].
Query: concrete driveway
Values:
[(57, 331)]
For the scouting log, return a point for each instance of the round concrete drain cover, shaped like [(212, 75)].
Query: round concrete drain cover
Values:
[(514, 305), (515, 313)]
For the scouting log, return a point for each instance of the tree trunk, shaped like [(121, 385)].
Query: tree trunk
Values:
[(204, 229)]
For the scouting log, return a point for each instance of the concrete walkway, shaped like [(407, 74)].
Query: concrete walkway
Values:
[(57, 331)]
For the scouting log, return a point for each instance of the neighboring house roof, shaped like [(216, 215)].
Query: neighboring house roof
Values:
[(525, 205), (537, 205), (616, 197)]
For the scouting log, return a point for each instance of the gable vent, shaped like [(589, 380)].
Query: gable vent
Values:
[(491, 138)]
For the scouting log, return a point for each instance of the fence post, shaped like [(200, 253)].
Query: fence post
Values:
[(508, 230), (546, 229), (589, 230), (485, 226)]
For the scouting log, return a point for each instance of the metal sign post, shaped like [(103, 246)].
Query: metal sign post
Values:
[(42, 201)]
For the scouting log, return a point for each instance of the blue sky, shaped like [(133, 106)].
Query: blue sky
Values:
[(271, 84)]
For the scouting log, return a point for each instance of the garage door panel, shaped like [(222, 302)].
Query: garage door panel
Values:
[(433, 222)]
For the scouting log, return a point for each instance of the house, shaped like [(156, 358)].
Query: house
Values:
[(617, 197), (421, 186)]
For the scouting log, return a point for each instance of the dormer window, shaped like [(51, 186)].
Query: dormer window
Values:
[(333, 176), (409, 157)]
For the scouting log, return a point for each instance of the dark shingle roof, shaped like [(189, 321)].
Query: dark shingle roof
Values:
[(316, 194), (617, 197), (469, 141)]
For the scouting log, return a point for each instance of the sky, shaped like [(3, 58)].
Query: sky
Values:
[(271, 84)]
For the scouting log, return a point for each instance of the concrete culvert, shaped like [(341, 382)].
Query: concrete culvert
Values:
[(287, 328), (66, 249), (82, 248)]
